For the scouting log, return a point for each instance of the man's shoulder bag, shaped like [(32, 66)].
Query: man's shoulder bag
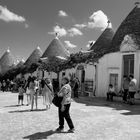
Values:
[(57, 100)]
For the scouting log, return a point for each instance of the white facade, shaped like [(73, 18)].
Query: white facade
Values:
[(108, 64), (85, 72), (113, 65)]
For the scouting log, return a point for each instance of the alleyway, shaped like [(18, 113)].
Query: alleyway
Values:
[(94, 120)]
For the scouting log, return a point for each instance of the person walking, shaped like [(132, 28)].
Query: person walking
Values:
[(125, 88), (64, 109), (47, 91), (132, 89)]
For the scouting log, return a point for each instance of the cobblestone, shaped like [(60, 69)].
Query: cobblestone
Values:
[(94, 119)]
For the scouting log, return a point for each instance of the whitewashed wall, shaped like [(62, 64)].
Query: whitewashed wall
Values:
[(110, 63), (113, 63), (89, 72), (137, 72), (50, 75)]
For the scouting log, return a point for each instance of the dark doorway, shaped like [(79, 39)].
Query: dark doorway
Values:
[(114, 81)]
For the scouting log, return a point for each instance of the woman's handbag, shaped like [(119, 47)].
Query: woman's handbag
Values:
[(57, 100)]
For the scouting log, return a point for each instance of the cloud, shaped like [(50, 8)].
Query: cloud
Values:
[(80, 26), (62, 13), (69, 44), (8, 16), (90, 43), (74, 32), (59, 30), (98, 20)]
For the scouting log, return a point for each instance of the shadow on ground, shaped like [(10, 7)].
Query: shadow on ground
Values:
[(117, 104), (13, 106), (22, 111), (41, 135)]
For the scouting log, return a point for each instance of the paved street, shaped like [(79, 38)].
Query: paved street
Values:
[(94, 120)]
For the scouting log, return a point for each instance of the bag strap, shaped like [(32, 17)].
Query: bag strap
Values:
[(48, 87)]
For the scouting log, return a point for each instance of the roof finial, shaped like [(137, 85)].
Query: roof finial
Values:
[(38, 47), (23, 60), (8, 50), (56, 35), (108, 23), (137, 3)]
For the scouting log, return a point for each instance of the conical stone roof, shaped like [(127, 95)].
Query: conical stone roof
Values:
[(34, 57), (54, 49), (104, 41), (6, 61), (131, 25)]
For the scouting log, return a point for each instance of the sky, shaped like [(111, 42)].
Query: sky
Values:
[(26, 24)]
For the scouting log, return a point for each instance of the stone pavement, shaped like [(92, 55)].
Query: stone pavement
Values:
[(94, 119)]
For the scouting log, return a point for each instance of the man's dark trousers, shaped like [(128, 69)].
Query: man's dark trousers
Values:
[(65, 115), (125, 94)]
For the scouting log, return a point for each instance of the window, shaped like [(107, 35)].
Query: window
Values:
[(128, 66)]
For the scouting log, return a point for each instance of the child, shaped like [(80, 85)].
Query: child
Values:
[(21, 95), (111, 92)]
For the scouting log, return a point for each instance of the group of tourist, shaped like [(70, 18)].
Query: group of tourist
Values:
[(6, 85), (11, 85), (32, 88), (129, 89)]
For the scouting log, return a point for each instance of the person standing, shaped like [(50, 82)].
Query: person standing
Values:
[(32, 92), (21, 95), (64, 109), (28, 96), (3, 86), (51, 91), (132, 89), (36, 91), (47, 91), (125, 88), (76, 87)]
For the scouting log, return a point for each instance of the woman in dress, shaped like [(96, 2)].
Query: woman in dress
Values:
[(32, 92), (36, 91), (47, 91), (28, 96)]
